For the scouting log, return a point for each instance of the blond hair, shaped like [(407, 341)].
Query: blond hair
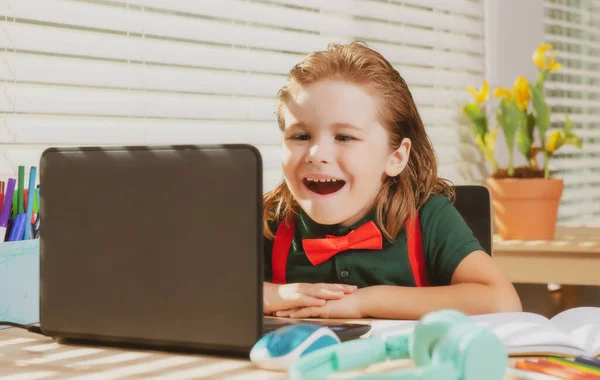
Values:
[(399, 197)]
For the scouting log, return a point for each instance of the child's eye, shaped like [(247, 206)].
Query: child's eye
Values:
[(344, 138), (300, 136)]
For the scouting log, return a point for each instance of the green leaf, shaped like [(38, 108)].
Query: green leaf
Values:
[(540, 111), (571, 139), (568, 124), (478, 120), (530, 125), (510, 117), (524, 133)]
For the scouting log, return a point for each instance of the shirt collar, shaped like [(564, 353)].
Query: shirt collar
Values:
[(309, 229)]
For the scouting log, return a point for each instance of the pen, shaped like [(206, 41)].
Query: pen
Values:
[(36, 206), (519, 374), (15, 199), (20, 204), (573, 370), (2, 189), (36, 227), (5, 213), (581, 366), (588, 360), (18, 228), (553, 371), (31, 197)]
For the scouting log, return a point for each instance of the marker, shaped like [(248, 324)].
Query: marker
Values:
[(588, 360), (1, 194), (549, 370), (20, 203), (31, 191), (36, 227), (15, 199), (5, 213), (519, 374), (36, 206), (18, 228), (575, 371), (569, 363)]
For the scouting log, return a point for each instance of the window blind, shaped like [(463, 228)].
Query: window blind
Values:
[(573, 28), (113, 72)]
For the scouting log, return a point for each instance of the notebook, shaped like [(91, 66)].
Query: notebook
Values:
[(152, 246), (572, 332)]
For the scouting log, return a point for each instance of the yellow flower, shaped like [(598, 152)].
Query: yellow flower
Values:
[(502, 92), (521, 92), (553, 141), (482, 95), (543, 62)]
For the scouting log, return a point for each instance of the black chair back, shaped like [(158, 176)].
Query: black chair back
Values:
[(474, 205)]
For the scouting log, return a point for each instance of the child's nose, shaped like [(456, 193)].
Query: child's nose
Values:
[(319, 152)]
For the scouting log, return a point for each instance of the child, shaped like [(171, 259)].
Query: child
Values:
[(358, 165)]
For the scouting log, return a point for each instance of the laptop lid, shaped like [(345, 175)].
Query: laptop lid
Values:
[(156, 246)]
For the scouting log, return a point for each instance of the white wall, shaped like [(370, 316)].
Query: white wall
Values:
[(513, 30)]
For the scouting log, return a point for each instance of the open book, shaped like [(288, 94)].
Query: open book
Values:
[(571, 333)]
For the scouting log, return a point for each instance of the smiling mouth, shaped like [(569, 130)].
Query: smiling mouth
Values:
[(324, 186)]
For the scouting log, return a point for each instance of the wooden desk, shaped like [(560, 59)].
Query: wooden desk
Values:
[(24, 355), (572, 258)]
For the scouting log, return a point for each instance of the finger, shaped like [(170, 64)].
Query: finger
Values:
[(320, 291), (341, 287), (306, 312), (326, 294), (305, 300), (286, 313)]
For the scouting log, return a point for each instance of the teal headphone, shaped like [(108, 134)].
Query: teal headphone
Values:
[(445, 345)]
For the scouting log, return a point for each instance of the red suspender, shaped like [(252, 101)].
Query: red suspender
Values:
[(281, 248), (285, 235), (416, 256)]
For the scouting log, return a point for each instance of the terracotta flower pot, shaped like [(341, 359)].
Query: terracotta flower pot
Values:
[(525, 209)]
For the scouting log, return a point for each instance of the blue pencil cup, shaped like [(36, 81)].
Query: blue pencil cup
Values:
[(19, 281)]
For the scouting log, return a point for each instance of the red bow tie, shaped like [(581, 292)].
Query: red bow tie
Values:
[(366, 236)]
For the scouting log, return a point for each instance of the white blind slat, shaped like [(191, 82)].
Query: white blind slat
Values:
[(123, 19), (85, 130), (410, 35), (53, 40), (428, 57), (61, 70), (353, 6), (75, 101), (569, 102), (259, 13), (577, 118), (437, 77), (128, 72), (127, 20), (573, 180)]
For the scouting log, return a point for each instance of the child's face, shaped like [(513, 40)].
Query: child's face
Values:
[(332, 135)]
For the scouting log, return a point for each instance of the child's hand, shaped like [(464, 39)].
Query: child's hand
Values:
[(298, 295), (347, 307)]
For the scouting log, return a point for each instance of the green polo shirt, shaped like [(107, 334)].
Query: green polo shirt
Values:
[(446, 241)]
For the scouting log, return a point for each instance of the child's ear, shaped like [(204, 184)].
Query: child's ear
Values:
[(398, 159)]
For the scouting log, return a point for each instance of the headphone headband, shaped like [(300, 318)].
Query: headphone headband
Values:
[(444, 345), (350, 355)]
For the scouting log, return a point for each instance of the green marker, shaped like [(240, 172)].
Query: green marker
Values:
[(14, 203), (20, 203)]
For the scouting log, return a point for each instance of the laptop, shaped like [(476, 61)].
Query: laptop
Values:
[(155, 246), (158, 247)]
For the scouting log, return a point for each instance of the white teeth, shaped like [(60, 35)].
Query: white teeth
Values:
[(323, 180)]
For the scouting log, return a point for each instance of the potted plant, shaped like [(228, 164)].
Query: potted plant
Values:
[(525, 199)]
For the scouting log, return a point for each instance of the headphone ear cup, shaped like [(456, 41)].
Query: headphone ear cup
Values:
[(428, 330), (476, 353)]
